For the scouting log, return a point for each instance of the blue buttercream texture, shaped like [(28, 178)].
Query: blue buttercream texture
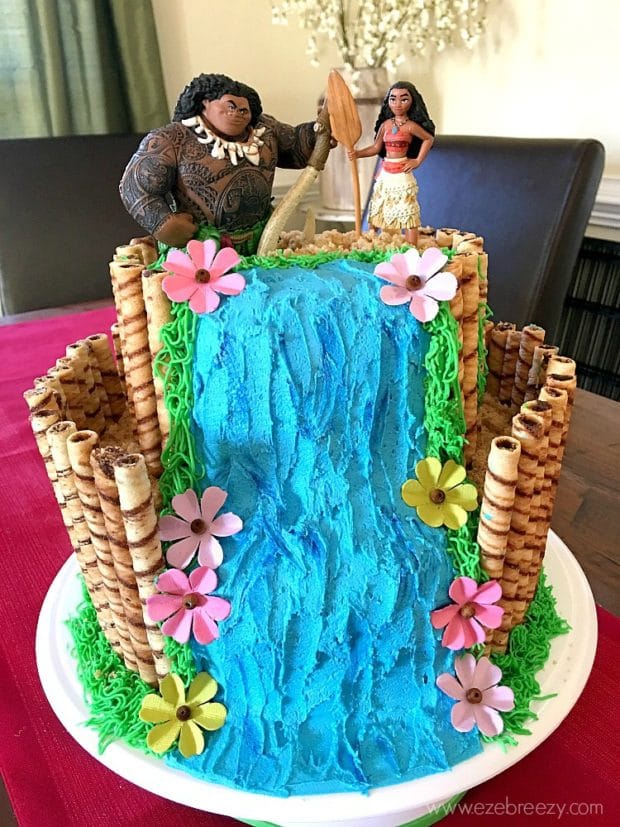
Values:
[(308, 410)]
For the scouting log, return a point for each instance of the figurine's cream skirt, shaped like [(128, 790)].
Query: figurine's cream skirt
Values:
[(394, 204)]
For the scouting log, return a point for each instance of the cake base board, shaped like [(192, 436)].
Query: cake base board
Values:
[(565, 674)]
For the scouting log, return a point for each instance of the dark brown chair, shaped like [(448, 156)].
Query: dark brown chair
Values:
[(61, 218), (530, 199)]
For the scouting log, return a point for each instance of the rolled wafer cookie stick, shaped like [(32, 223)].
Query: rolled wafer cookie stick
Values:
[(531, 550), (102, 395), (509, 364), (115, 331), (531, 336), (158, 313), (41, 419), (109, 374), (79, 447), (561, 374), (66, 374), (84, 550), (445, 235), (140, 520), (538, 539), (471, 296), (528, 430), (467, 243), (500, 483), (127, 285), (538, 371), (558, 399), (79, 355), (498, 338), (148, 248), (51, 382), (456, 308), (102, 462)]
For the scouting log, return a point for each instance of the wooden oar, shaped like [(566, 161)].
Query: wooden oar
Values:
[(289, 204), (346, 129)]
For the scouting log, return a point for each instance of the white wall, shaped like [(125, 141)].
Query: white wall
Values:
[(544, 68)]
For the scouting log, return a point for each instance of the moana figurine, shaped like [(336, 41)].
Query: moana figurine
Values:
[(214, 165), (404, 134)]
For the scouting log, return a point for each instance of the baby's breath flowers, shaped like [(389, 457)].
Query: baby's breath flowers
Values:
[(375, 33)]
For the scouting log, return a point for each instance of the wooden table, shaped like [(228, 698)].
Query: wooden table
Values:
[(587, 509)]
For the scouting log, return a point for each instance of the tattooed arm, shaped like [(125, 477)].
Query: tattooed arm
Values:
[(295, 143), (149, 177)]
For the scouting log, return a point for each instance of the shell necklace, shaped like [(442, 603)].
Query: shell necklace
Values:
[(236, 150)]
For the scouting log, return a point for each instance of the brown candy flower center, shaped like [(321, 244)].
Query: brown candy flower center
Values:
[(473, 695), (468, 610), (203, 276), (184, 713), (190, 601), (413, 283), (198, 526), (437, 496)]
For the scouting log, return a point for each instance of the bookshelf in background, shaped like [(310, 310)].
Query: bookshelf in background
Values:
[(590, 325)]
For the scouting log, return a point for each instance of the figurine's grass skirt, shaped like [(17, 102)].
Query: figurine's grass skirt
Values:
[(394, 204)]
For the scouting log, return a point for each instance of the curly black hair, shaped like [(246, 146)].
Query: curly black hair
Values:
[(417, 113), (213, 87)]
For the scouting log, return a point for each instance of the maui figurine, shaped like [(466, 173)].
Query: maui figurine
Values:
[(214, 165), (404, 135)]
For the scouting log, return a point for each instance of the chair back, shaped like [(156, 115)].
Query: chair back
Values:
[(530, 199), (61, 218)]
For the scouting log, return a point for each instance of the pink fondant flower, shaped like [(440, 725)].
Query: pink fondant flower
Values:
[(471, 611), (185, 602), (199, 275), (478, 695), (416, 280), (196, 528)]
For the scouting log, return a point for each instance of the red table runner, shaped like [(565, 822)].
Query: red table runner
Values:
[(52, 781)]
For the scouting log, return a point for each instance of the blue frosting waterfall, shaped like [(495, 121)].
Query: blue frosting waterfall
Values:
[(308, 411)]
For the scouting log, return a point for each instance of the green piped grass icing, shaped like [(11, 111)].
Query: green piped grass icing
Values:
[(112, 692), (444, 422)]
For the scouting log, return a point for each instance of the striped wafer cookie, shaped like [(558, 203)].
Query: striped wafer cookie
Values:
[(500, 483), (115, 332), (531, 336), (558, 399), (41, 419), (528, 430), (498, 338), (79, 355), (102, 462), (141, 529), (79, 447), (444, 236), (157, 315), (538, 371), (109, 374), (507, 378), (539, 501), (84, 550), (127, 284), (471, 296), (72, 390)]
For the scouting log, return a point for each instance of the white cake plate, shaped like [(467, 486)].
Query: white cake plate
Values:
[(566, 673)]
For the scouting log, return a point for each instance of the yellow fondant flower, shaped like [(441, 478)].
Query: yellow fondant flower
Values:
[(440, 495), (173, 713)]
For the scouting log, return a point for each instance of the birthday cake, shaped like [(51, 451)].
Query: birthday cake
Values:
[(311, 544)]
